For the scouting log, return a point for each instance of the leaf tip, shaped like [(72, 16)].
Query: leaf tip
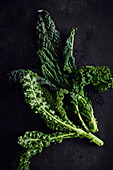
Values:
[(40, 10)]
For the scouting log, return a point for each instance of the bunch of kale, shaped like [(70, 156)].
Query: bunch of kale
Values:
[(58, 92)]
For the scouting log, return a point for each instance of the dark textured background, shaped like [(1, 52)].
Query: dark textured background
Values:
[(93, 46)]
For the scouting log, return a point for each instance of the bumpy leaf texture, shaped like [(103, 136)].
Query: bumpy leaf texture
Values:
[(34, 97), (47, 35), (69, 60), (99, 77), (33, 142)]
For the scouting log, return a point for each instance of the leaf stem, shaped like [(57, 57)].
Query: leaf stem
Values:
[(83, 124), (64, 135), (79, 131)]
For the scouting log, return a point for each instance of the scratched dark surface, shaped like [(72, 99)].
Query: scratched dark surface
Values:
[(93, 46)]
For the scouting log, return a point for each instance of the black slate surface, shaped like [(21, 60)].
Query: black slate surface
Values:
[(93, 46)]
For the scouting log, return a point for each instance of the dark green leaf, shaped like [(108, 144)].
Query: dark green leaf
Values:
[(47, 35), (69, 60)]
